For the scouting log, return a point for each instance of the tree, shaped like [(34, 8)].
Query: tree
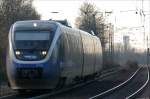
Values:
[(14, 10), (90, 18)]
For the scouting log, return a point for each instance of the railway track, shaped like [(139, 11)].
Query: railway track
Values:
[(26, 95), (107, 93), (17, 96), (8, 96), (129, 88), (71, 88), (76, 96)]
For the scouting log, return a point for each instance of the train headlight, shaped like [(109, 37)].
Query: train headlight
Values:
[(17, 52), (44, 53)]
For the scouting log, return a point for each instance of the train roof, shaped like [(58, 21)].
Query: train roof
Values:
[(35, 25), (42, 25)]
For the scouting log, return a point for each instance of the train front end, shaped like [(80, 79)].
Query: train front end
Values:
[(30, 60)]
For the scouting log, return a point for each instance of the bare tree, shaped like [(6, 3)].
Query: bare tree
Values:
[(90, 18), (14, 10)]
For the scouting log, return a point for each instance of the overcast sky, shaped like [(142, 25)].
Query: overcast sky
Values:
[(70, 9), (121, 16)]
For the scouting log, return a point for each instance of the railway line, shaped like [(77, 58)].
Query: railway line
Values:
[(55, 92), (106, 89), (99, 88), (92, 91), (83, 92), (128, 89)]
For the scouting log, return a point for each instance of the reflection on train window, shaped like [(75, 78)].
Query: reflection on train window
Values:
[(32, 35), (32, 39)]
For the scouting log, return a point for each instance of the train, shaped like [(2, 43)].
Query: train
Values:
[(48, 55)]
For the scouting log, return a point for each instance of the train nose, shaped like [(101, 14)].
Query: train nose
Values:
[(33, 76)]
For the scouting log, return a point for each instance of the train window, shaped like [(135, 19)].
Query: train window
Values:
[(32, 35), (32, 40)]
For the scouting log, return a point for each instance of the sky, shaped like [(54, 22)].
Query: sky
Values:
[(70, 9), (123, 17)]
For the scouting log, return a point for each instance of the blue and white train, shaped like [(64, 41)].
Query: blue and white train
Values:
[(46, 54)]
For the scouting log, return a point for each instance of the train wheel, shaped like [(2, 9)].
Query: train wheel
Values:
[(86, 78), (21, 91), (77, 79), (98, 74), (32, 91), (8, 84), (61, 83)]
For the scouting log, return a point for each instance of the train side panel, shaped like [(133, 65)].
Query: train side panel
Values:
[(82, 53), (88, 50), (72, 49), (98, 55)]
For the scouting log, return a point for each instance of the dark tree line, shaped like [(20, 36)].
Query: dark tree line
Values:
[(12, 11)]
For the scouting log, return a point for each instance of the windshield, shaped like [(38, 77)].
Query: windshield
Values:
[(32, 35), (32, 39)]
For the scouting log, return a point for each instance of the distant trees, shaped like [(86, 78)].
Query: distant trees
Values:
[(11, 11), (91, 19)]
